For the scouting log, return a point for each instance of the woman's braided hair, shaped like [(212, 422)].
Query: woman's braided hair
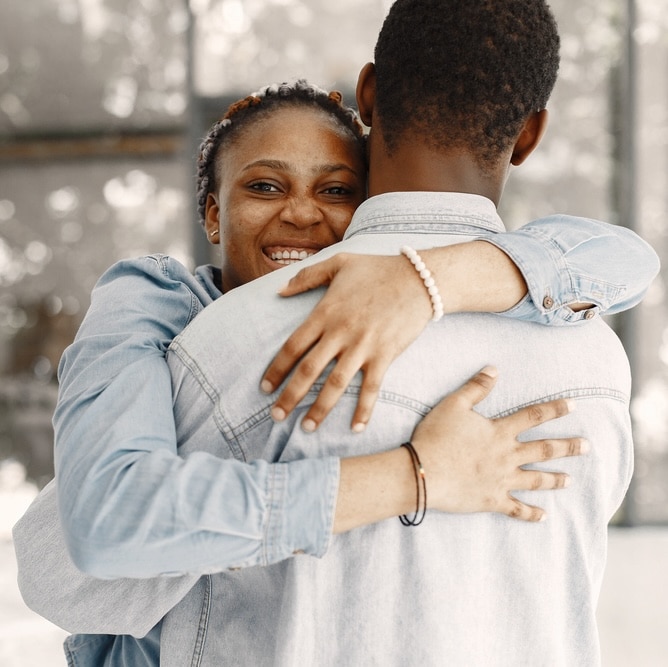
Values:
[(251, 108)]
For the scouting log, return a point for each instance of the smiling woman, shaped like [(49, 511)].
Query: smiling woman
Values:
[(286, 189), (272, 197)]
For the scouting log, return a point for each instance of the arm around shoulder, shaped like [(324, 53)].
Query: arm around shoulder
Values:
[(569, 261)]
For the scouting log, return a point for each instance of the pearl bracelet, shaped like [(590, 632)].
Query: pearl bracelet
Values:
[(427, 279)]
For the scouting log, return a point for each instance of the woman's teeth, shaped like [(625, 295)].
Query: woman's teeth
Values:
[(291, 256)]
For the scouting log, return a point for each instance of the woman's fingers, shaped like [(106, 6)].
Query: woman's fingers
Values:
[(373, 377), (294, 348), (476, 388), (546, 450), (519, 510), (315, 275), (536, 414), (306, 335), (307, 370)]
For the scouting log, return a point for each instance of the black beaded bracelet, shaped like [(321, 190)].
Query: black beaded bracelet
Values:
[(421, 485)]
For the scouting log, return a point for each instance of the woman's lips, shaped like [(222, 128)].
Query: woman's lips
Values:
[(288, 255)]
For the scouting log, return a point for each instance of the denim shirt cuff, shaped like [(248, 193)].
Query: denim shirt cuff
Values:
[(302, 508), (550, 283)]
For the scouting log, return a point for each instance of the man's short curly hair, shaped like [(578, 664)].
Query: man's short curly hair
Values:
[(464, 74)]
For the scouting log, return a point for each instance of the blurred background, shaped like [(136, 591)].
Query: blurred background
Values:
[(102, 104)]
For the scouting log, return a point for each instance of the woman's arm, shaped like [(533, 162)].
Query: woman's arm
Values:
[(376, 306), (471, 463)]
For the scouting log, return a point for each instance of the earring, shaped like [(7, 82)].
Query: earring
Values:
[(213, 233)]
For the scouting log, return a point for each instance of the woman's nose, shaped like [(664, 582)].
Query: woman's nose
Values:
[(301, 212)]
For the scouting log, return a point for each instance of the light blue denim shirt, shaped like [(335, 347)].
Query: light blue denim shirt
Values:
[(115, 415), (476, 590)]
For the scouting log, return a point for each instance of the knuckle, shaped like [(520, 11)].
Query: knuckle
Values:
[(371, 386), (561, 407), (481, 380), (536, 413), (307, 368), (317, 412), (292, 347), (547, 450), (536, 481), (535, 514), (560, 480), (338, 379), (515, 510)]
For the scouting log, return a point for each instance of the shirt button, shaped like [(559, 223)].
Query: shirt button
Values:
[(548, 302), (589, 314)]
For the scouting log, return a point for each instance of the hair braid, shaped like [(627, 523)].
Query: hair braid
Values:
[(254, 106)]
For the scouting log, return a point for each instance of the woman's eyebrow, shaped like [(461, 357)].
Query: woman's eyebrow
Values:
[(271, 164), (330, 168), (282, 165)]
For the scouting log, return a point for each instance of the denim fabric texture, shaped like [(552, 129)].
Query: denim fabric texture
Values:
[(481, 589), (180, 514)]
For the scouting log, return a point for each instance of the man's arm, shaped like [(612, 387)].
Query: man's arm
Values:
[(375, 306), (54, 588)]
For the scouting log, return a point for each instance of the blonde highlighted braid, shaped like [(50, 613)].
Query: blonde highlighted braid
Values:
[(254, 106)]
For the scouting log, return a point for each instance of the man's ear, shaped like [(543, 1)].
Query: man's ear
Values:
[(212, 219), (530, 137), (366, 93)]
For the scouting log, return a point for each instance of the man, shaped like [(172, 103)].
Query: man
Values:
[(456, 96)]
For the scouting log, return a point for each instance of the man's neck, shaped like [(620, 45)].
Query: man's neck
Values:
[(415, 167)]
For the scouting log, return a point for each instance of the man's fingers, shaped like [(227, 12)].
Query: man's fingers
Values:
[(546, 450), (538, 413)]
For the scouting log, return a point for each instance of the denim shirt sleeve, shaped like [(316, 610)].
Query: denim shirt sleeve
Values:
[(567, 260), (130, 506)]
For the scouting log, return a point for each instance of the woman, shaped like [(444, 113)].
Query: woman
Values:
[(114, 391)]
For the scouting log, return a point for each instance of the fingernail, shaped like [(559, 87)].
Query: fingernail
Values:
[(359, 427), (567, 482), (570, 403), (308, 425), (277, 414), (490, 370), (543, 518), (266, 386), (585, 445)]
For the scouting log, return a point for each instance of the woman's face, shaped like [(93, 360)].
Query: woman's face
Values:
[(289, 185)]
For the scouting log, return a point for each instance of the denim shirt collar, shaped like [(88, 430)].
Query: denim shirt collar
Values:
[(395, 209)]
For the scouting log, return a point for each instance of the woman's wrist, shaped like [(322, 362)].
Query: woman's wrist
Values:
[(374, 488)]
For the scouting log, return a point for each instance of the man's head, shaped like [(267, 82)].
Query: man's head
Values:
[(463, 75)]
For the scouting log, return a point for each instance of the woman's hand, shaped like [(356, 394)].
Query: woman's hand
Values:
[(473, 464), (374, 308)]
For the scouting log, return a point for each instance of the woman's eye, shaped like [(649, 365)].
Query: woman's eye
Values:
[(263, 186), (337, 190)]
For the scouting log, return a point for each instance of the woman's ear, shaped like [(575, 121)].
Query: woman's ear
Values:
[(212, 219), (365, 93), (530, 137)]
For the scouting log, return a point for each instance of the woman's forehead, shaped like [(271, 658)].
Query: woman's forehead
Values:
[(297, 131)]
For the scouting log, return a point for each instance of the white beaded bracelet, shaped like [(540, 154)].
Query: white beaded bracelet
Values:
[(427, 279)]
